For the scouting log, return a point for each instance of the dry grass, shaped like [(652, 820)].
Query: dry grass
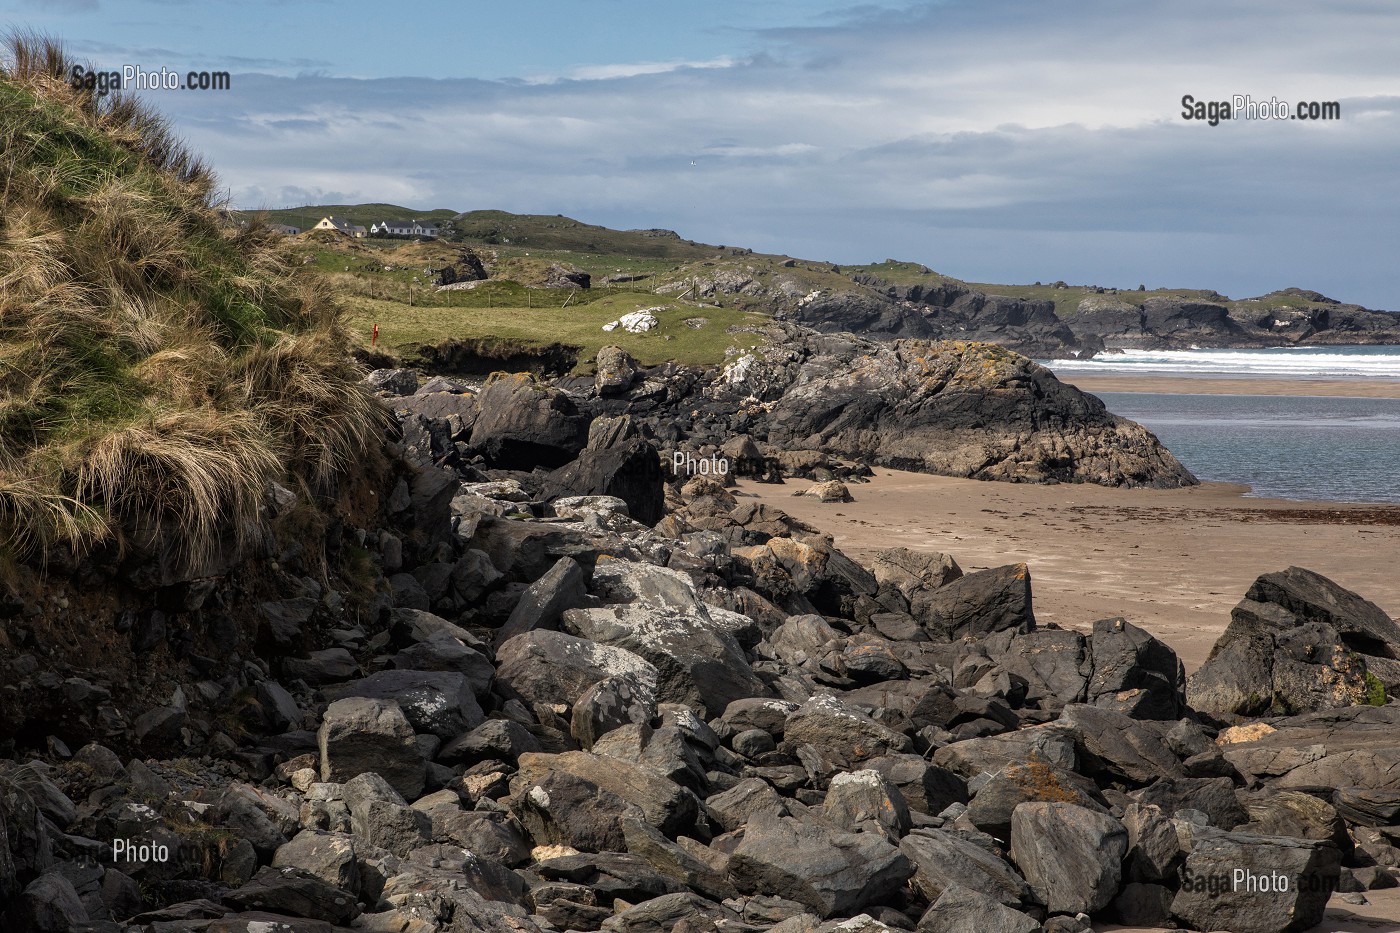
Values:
[(156, 372)]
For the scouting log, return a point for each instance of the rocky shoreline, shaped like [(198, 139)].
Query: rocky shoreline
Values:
[(562, 687)]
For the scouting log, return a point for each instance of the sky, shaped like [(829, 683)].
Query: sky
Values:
[(1004, 141)]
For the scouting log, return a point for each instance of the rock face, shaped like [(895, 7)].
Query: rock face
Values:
[(1298, 642)]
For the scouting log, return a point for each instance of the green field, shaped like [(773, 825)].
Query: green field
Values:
[(404, 329)]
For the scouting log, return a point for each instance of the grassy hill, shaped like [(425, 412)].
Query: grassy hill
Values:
[(630, 269), (363, 214), (157, 371)]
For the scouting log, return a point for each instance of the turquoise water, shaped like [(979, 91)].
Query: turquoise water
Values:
[(1345, 449)]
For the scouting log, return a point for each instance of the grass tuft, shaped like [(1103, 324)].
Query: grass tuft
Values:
[(156, 370)]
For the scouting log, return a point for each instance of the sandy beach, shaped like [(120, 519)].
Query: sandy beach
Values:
[(1228, 385), (1173, 561)]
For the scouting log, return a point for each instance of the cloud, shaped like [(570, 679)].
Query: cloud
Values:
[(628, 70), (63, 6), (1005, 143)]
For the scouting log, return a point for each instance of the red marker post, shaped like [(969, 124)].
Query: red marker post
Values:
[(374, 338)]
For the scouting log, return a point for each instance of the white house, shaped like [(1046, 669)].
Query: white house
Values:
[(405, 228), (340, 225), (284, 229)]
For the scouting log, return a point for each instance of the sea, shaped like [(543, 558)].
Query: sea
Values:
[(1295, 447)]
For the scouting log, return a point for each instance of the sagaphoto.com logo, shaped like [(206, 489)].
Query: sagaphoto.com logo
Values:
[(1245, 107), (136, 78)]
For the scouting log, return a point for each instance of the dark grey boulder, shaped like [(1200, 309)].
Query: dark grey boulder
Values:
[(297, 892), (666, 806), (1135, 673), (564, 586), (698, 660), (1112, 743), (609, 704), (438, 702), (996, 800), (329, 856), (978, 604), (1070, 856), (1256, 884), (864, 801), (525, 423), (831, 872), (1054, 663), (1215, 797), (552, 667), (964, 910), (1296, 643), (927, 788), (846, 735), (670, 912), (564, 809), (743, 802), (1311, 597), (364, 734), (942, 858)]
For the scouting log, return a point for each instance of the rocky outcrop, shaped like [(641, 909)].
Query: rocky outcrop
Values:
[(1298, 642), (951, 408)]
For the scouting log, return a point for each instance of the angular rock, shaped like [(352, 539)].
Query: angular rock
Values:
[(1134, 673), (362, 734), (1233, 881), (859, 801), (942, 859), (665, 806), (524, 424), (844, 734), (978, 604), (564, 586), (438, 702), (552, 667), (964, 910), (296, 892), (1070, 856), (829, 871)]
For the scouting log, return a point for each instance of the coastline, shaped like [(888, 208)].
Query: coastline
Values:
[(1232, 385), (1174, 561)]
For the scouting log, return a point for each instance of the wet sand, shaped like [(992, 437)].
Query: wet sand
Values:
[(1174, 561), (1228, 385)]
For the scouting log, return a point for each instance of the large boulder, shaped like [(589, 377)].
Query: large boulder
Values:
[(438, 702), (552, 667), (943, 859), (844, 734), (618, 462), (978, 604), (828, 871), (662, 803), (1071, 856), (524, 424), (1256, 884), (961, 909), (1135, 673), (1271, 659), (361, 735)]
